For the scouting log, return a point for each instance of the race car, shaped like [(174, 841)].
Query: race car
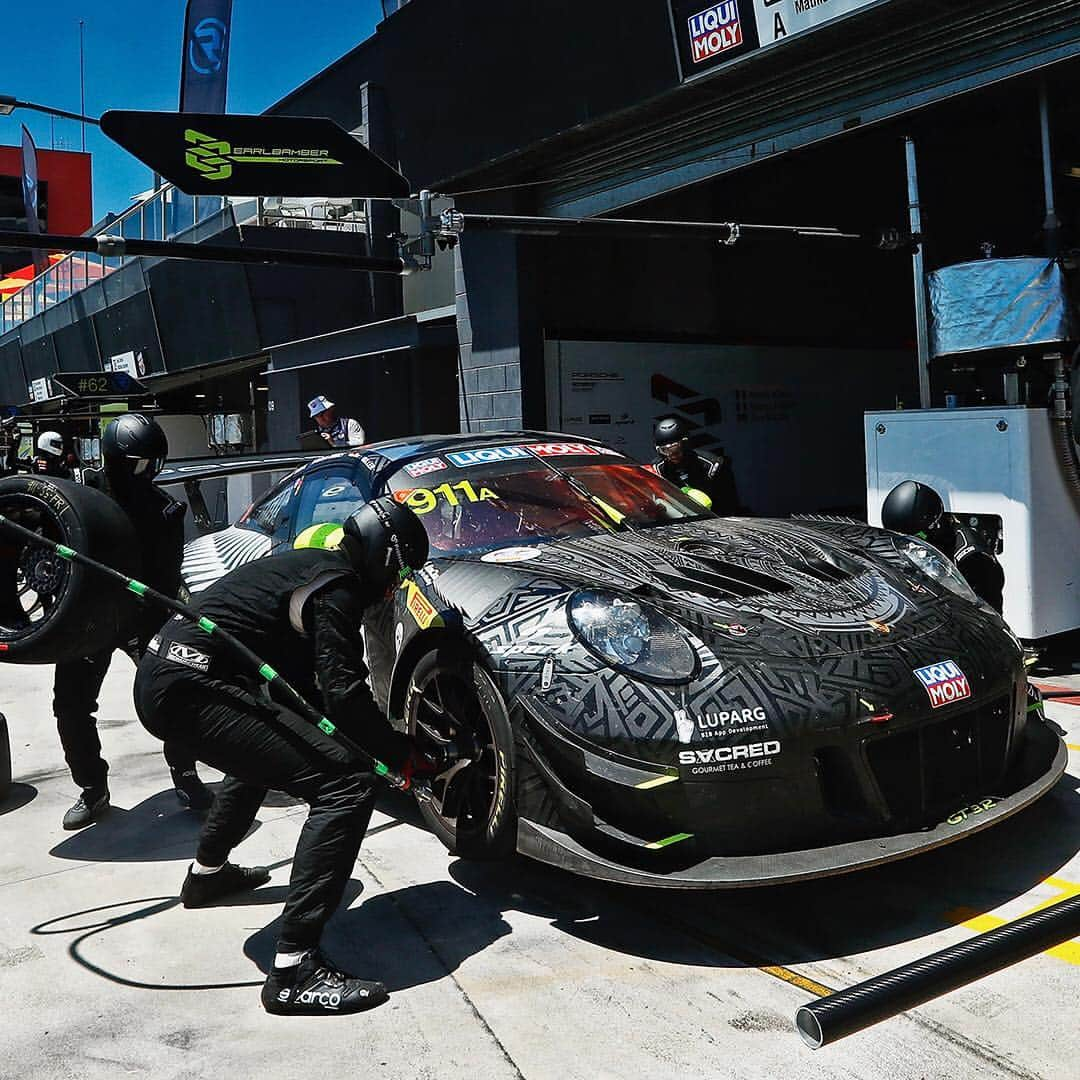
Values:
[(640, 691)]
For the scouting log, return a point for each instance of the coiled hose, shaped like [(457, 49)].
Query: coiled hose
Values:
[(847, 1011)]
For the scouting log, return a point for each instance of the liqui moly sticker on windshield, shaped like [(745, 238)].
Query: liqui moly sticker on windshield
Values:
[(944, 683), (422, 468), (566, 449), (715, 30), (487, 455)]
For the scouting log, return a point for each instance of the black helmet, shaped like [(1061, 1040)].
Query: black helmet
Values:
[(384, 540), (911, 508), (134, 445), (669, 429)]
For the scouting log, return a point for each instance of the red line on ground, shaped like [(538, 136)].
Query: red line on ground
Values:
[(1073, 699)]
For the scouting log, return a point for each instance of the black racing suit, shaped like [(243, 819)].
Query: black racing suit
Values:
[(159, 523), (300, 612), (49, 465), (705, 472)]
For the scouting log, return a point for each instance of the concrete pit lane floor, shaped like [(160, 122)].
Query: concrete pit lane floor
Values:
[(511, 970)]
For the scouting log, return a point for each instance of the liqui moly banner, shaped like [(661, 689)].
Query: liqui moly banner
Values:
[(709, 34), (204, 75)]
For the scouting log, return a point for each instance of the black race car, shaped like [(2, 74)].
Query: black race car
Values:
[(643, 692)]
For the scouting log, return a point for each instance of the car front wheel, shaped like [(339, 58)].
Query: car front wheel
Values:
[(452, 699)]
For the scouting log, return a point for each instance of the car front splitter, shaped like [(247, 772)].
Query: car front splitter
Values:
[(1043, 763)]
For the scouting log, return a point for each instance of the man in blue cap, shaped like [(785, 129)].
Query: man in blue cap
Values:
[(338, 431)]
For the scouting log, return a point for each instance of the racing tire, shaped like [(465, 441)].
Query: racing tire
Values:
[(472, 810), (5, 759), (52, 610)]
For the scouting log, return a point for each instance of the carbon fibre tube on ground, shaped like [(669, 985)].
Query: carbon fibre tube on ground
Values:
[(847, 1011)]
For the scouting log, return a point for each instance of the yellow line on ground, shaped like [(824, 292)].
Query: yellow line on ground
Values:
[(795, 979), (1073, 746), (1069, 951), (746, 956)]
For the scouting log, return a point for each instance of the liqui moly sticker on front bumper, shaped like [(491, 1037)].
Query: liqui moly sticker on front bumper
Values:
[(944, 683), (715, 30)]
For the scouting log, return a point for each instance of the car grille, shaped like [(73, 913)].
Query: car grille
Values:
[(934, 767)]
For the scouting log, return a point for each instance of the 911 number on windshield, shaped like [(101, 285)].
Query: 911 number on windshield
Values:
[(424, 500)]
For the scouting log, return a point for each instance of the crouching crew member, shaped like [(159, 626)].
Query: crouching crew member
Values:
[(133, 449), (301, 612), (698, 470)]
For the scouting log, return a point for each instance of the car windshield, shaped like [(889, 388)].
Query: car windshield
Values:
[(474, 501)]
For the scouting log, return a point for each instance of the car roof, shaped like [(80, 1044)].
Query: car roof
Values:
[(404, 450)]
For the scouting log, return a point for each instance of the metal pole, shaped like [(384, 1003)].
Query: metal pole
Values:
[(115, 247), (922, 328), (82, 79), (1051, 223)]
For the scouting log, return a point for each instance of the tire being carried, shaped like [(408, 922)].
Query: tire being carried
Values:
[(52, 610), (453, 699)]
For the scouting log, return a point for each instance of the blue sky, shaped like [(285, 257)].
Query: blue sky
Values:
[(133, 61)]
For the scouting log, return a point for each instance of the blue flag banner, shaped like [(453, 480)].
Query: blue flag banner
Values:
[(205, 67), (30, 196)]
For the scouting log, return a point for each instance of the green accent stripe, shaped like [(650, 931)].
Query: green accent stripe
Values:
[(656, 845), (657, 782), (326, 726), (137, 587), (64, 552), (268, 673), (381, 769), (1034, 706), (208, 625)]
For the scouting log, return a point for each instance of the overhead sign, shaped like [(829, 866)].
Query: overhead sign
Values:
[(778, 20), (98, 384), (709, 35), (207, 154)]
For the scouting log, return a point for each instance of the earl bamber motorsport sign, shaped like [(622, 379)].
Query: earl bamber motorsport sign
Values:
[(210, 154)]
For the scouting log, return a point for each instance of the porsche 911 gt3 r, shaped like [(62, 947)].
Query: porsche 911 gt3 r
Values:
[(643, 692)]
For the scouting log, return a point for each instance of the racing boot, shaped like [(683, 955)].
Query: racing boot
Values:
[(199, 890), (313, 988), (89, 806), (191, 791)]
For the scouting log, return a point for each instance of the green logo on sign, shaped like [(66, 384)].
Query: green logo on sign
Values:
[(214, 158)]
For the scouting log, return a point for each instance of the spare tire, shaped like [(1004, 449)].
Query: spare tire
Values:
[(52, 610)]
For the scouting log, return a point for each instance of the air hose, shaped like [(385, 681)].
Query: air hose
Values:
[(843, 1013), (233, 644)]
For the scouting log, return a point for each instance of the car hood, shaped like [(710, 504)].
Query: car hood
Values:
[(776, 587)]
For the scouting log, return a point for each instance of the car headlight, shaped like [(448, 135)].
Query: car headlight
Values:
[(632, 637), (928, 560)]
